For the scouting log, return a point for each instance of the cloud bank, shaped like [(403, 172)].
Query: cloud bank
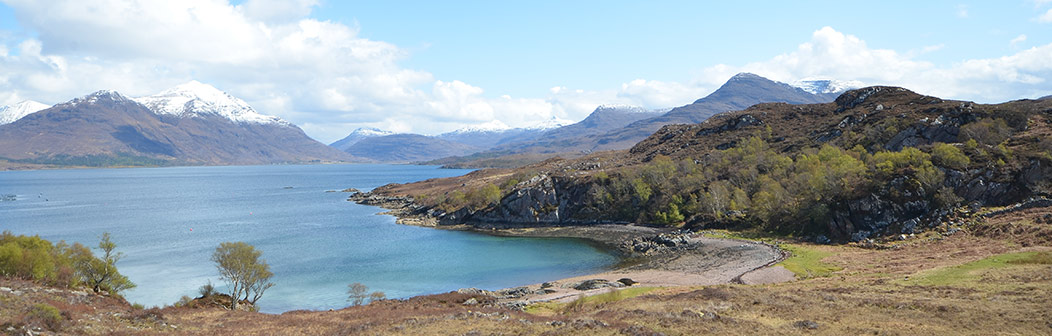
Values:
[(325, 77)]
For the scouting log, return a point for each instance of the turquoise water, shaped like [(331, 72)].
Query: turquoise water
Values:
[(167, 221)]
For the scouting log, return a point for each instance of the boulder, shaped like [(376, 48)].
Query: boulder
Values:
[(627, 281), (596, 284)]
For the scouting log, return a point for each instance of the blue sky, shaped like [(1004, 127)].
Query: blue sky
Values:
[(435, 66), (541, 44)]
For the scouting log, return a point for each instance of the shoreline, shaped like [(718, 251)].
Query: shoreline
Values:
[(649, 256)]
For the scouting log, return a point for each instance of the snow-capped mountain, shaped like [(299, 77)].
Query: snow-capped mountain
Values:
[(369, 131), (107, 128), (623, 108), (11, 113), (824, 86), (554, 122), (492, 126), (196, 99), (357, 135)]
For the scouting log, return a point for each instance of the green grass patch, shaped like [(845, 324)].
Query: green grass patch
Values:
[(807, 262), (617, 295), (969, 273), (588, 301)]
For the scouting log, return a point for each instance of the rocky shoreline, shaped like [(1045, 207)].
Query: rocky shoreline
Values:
[(658, 257)]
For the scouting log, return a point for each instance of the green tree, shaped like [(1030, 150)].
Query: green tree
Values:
[(246, 274), (101, 274), (641, 189)]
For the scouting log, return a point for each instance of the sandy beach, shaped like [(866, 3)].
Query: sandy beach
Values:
[(703, 261)]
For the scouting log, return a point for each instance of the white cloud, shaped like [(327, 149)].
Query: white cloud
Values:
[(1017, 40), (318, 74), (327, 78), (962, 11), (1046, 18), (277, 10), (832, 54), (654, 93)]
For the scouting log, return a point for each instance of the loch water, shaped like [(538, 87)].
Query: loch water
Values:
[(167, 221)]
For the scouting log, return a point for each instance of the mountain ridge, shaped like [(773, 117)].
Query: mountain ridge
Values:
[(108, 128), (739, 92), (11, 113)]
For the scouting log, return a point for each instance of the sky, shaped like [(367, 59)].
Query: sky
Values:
[(435, 66)]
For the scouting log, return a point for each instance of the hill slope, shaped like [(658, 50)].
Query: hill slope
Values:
[(106, 128), (357, 135), (878, 161), (406, 148)]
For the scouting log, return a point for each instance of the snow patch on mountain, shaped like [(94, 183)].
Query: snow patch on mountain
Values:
[(194, 99), (488, 127), (11, 113), (631, 108), (820, 86), (622, 107), (370, 132), (554, 122)]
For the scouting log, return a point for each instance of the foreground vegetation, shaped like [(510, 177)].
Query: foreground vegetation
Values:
[(62, 265), (978, 281)]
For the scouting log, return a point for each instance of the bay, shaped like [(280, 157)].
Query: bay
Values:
[(167, 221)]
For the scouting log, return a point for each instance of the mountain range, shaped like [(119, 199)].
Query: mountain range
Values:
[(10, 113), (195, 123), (192, 124), (383, 146), (610, 128)]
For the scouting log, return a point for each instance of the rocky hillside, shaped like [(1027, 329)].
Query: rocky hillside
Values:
[(877, 161), (109, 129)]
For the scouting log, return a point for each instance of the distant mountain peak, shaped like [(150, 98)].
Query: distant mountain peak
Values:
[(619, 107), (823, 86), (100, 95), (11, 113), (370, 131), (746, 75), (491, 126), (194, 99), (554, 122), (359, 134)]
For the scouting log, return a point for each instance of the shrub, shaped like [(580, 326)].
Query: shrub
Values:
[(949, 156), (987, 131), (947, 198), (45, 315), (207, 289), (63, 265)]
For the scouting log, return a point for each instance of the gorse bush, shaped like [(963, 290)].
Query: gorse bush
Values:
[(61, 264)]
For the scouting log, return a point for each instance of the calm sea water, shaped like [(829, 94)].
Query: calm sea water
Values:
[(167, 221)]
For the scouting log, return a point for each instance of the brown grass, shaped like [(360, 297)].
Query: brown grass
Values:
[(876, 292)]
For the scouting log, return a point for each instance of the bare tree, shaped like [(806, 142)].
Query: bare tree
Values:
[(356, 293)]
